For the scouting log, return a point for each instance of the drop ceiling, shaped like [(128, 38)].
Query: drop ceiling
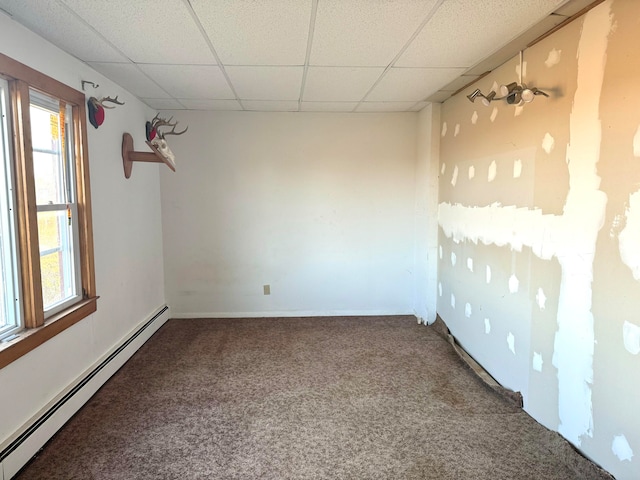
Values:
[(291, 55)]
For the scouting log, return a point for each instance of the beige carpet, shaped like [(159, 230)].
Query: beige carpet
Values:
[(321, 398)]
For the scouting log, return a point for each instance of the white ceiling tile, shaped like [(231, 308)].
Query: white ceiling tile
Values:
[(266, 83), (328, 106), (163, 103), (339, 83), (148, 31), (270, 106), (364, 32), (192, 104), (130, 77), (260, 32), (190, 81), (61, 27), (463, 32), (385, 106), (411, 84)]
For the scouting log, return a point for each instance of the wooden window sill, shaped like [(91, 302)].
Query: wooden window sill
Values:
[(31, 338)]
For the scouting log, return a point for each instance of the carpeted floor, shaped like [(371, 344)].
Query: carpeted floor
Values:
[(322, 398)]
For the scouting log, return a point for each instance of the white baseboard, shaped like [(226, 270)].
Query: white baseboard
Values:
[(288, 314), (21, 447)]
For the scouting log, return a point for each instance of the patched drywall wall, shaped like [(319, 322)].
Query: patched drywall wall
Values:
[(540, 232)]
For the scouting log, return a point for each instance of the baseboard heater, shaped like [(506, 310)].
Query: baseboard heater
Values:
[(14, 445)]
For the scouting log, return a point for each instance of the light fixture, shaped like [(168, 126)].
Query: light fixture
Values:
[(472, 96), (514, 93), (506, 90), (486, 100), (528, 94)]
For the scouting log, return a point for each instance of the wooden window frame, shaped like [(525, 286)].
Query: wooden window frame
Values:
[(37, 330)]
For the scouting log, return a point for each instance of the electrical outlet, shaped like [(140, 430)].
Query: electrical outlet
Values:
[(266, 289)]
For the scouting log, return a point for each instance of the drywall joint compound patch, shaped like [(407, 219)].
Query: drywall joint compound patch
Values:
[(631, 337), (514, 284), (511, 342), (629, 237), (517, 168), (548, 142), (541, 299), (621, 448), (571, 237), (494, 113), (553, 58), (493, 171), (537, 362), (454, 177)]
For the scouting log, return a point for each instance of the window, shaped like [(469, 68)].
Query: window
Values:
[(54, 181), (46, 243)]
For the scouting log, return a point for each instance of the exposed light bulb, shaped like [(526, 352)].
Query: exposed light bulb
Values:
[(506, 90), (527, 95)]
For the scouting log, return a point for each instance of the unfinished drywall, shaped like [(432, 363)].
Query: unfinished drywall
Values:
[(127, 242), (318, 206), (540, 200)]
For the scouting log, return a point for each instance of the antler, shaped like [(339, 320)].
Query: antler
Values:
[(161, 122), (109, 99), (173, 131)]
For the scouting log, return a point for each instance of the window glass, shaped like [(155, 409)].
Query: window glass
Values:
[(56, 257), (55, 191)]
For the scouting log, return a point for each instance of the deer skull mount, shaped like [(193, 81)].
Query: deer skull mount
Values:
[(96, 109), (156, 137)]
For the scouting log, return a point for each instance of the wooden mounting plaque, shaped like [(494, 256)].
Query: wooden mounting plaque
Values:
[(129, 155)]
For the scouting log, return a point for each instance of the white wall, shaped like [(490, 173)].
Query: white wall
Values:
[(127, 241), (318, 206), (426, 219)]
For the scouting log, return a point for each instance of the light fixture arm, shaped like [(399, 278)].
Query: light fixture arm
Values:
[(521, 67)]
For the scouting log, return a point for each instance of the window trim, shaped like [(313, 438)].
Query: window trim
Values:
[(10, 247), (38, 330)]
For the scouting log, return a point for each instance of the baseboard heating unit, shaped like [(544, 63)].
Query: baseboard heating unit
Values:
[(36, 432)]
